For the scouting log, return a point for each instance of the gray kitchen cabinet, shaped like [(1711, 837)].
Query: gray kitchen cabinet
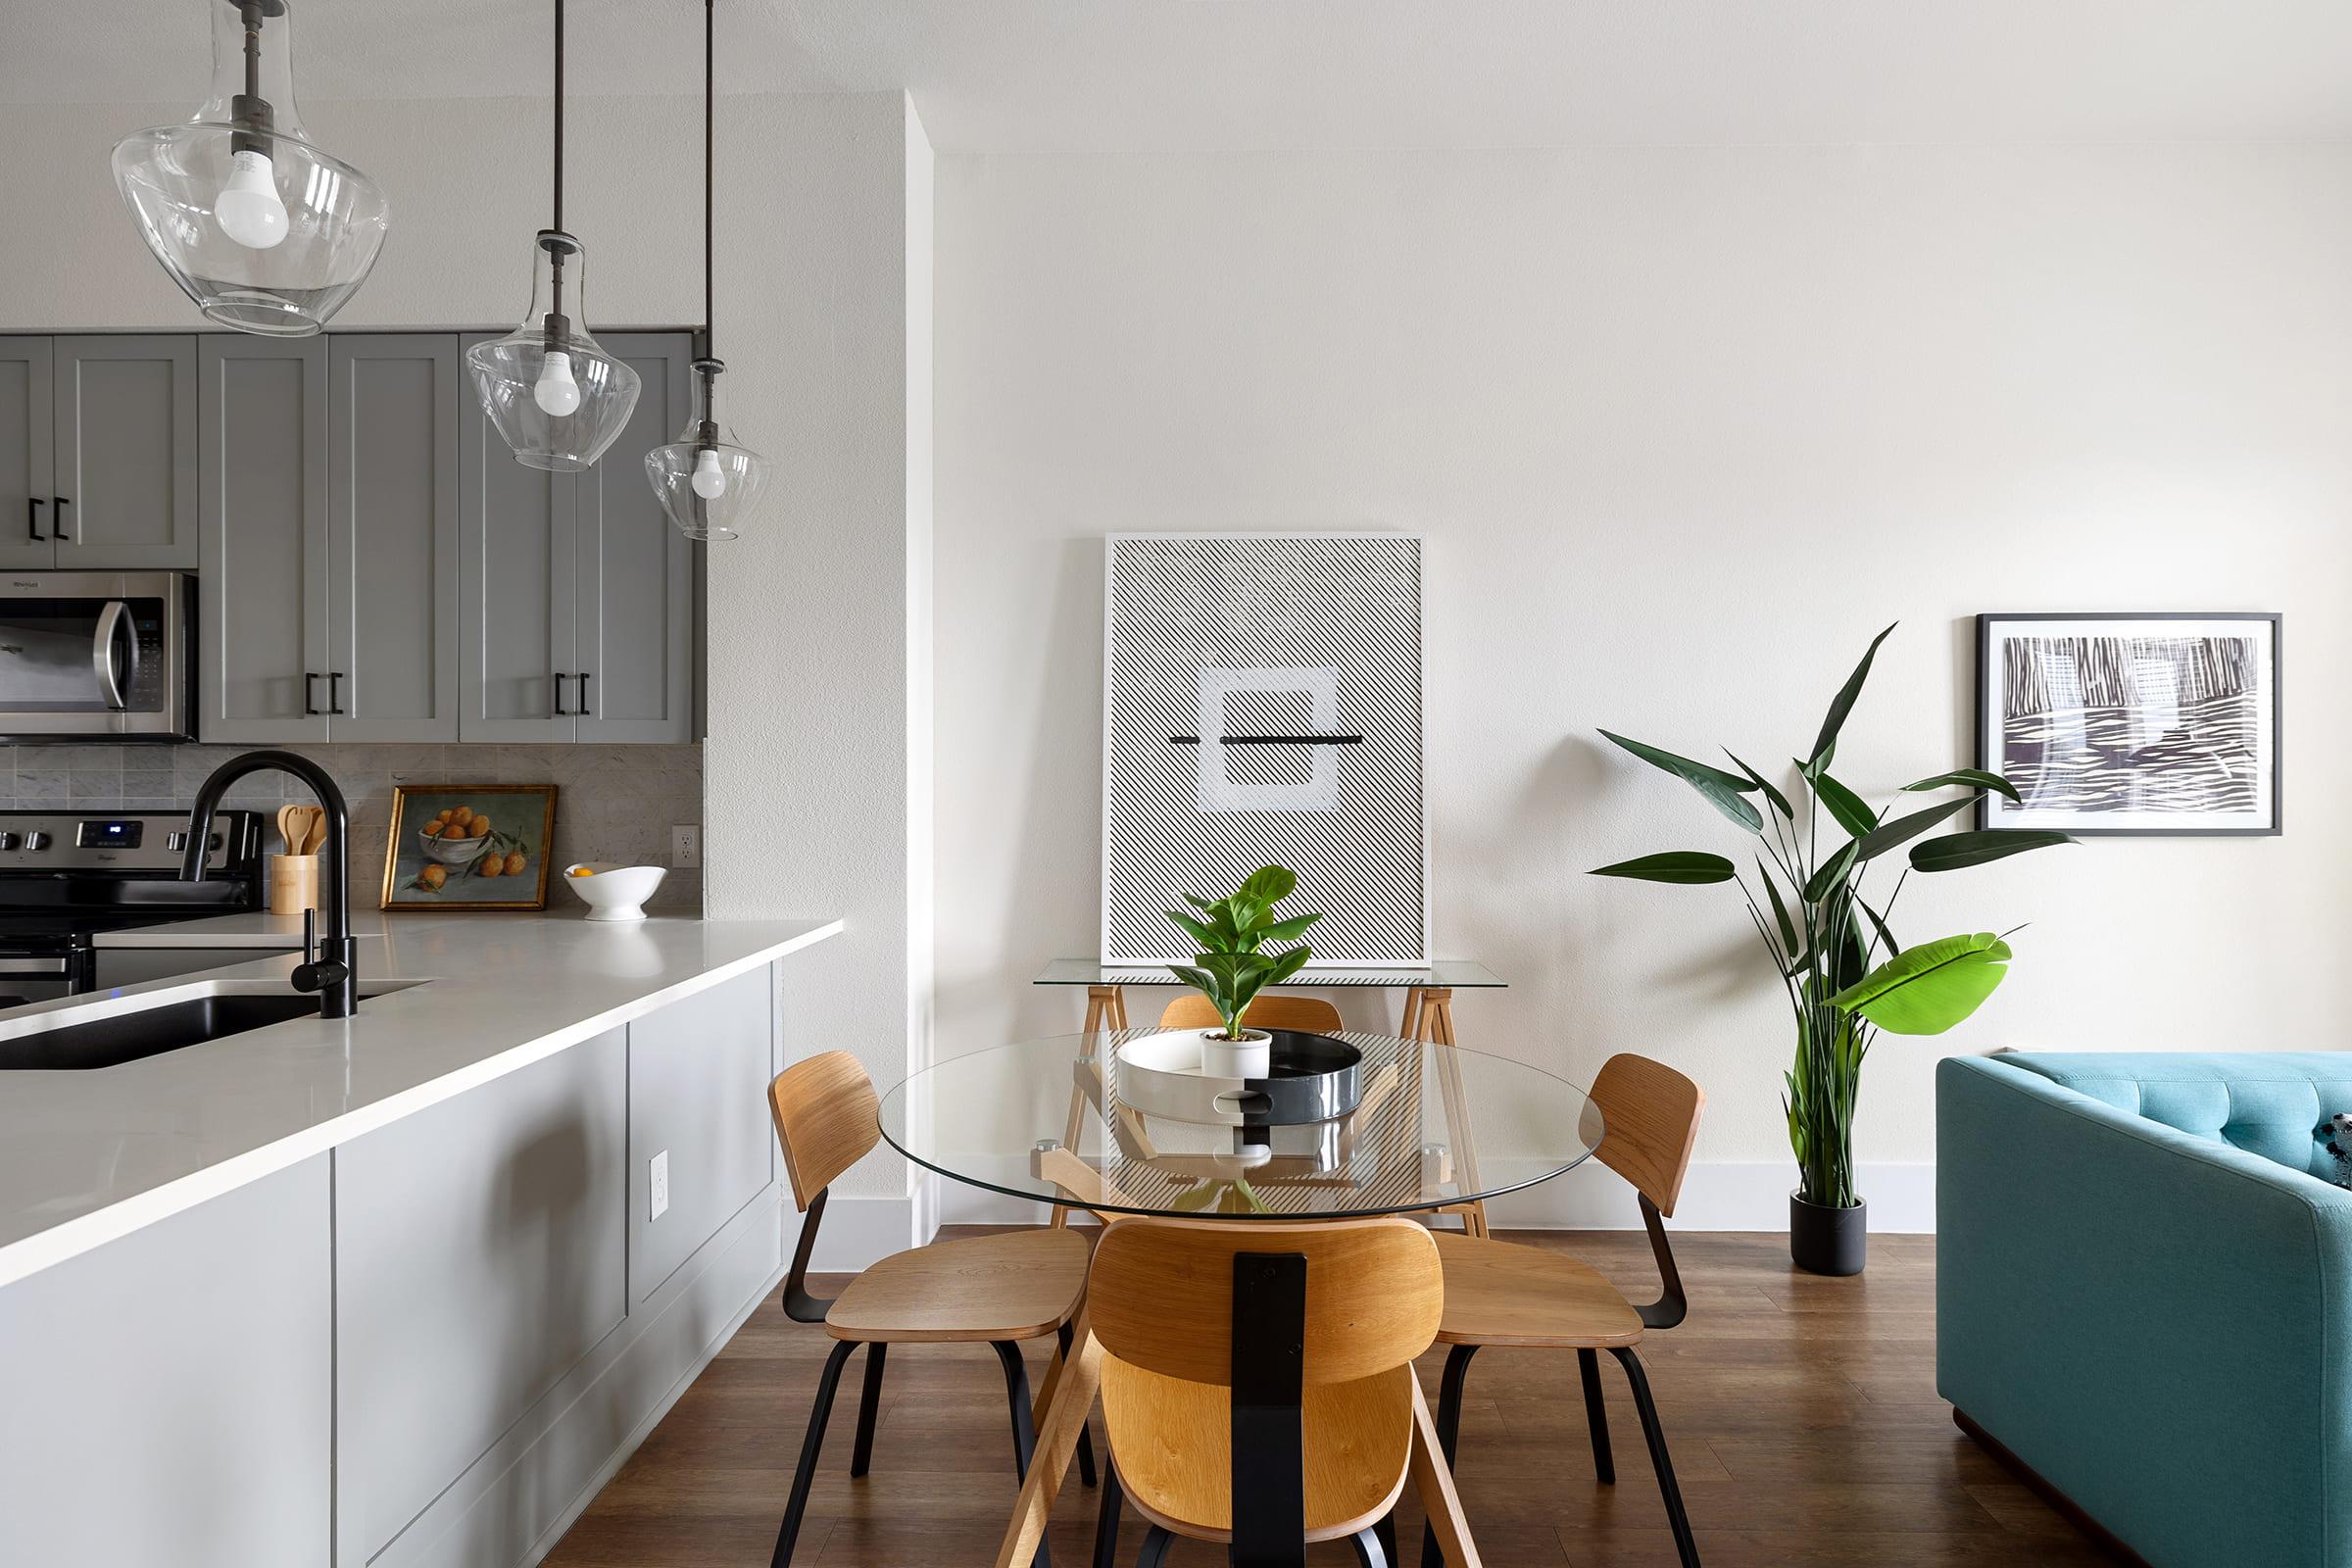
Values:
[(329, 527), (392, 536), (27, 454), (125, 422), (576, 592), (698, 1098), (261, 584)]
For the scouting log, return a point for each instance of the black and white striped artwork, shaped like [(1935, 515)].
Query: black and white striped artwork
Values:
[(2122, 723), (1261, 705)]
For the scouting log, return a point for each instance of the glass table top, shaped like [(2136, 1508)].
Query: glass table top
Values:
[(1464, 975), (1069, 1119)]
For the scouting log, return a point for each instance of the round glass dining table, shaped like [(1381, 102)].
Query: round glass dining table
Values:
[(1066, 1120)]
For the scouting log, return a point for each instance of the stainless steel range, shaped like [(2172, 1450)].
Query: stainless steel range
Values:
[(65, 877)]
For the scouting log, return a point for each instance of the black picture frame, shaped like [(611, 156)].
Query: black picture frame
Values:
[(1987, 756)]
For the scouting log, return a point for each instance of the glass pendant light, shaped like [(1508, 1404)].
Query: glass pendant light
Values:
[(262, 229), (706, 482), (555, 395)]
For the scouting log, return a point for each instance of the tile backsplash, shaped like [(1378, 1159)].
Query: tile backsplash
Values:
[(612, 803)]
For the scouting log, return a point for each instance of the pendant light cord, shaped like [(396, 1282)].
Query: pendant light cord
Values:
[(710, 95), (559, 224)]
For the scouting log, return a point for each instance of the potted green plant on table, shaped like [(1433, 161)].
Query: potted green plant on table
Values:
[(1845, 975), (1229, 968)]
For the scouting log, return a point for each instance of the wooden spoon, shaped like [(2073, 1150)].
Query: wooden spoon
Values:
[(314, 832), (289, 828)]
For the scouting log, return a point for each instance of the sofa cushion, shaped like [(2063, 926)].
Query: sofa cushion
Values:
[(2274, 1103)]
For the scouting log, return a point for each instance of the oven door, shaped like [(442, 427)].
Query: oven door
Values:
[(30, 977), (94, 653)]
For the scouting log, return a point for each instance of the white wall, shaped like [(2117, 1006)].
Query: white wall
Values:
[(1686, 426), (814, 775)]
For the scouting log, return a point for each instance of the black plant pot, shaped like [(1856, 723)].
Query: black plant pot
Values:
[(1828, 1241)]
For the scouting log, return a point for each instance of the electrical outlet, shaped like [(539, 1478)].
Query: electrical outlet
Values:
[(685, 847), (661, 1186)]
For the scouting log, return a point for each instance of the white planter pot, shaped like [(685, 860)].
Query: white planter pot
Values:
[(1250, 1056)]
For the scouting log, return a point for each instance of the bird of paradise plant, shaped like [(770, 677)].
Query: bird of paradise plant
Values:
[(1845, 975)]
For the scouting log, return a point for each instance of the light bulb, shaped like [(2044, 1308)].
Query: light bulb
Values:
[(248, 208), (555, 391), (709, 482)]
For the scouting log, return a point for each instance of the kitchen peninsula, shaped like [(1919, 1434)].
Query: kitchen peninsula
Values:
[(414, 1280)]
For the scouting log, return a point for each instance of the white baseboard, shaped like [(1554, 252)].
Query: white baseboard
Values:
[(1717, 1196)]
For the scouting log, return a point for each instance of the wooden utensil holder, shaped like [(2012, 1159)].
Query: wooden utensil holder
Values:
[(293, 883)]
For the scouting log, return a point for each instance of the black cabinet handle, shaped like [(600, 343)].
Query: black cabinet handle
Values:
[(63, 501), (310, 704), (585, 709), (560, 711), (334, 693), (32, 505)]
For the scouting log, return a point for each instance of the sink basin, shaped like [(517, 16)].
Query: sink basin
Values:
[(168, 1025)]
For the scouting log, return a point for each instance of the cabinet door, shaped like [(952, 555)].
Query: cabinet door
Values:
[(125, 416), (262, 582), (517, 578), (392, 526), (636, 639), (27, 454)]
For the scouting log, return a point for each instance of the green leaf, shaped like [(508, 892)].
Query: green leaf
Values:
[(1288, 963), (1198, 978), (1289, 930), (1779, 801), (1689, 866), (1954, 851), (1780, 913), (1929, 988), (1269, 884), (1193, 928), (1852, 814), (1832, 872), (1904, 829), (1975, 778), (1843, 703), (1819, 765), (1198, 1199), (1892, 947), (1722, 790)]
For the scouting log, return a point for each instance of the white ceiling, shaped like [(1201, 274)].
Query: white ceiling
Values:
[(1207, 75)]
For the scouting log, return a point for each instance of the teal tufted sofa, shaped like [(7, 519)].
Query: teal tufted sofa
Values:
[(2144, 1293)]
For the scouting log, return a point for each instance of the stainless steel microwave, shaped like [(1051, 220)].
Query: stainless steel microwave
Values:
[(97, 653)]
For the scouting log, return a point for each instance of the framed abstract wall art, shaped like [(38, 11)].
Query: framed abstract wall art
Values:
[(2132, 723), (1262, 705)]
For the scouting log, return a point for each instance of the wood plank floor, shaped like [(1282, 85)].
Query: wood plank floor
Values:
[(1802, 1415)]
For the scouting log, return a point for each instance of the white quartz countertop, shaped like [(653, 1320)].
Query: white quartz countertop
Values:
[(89, 1155), (258, 929)]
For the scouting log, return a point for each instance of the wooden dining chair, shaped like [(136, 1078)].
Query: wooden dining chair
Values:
[(1499, 1293), (1259, 1386), (1308, 1014), (996, 1290)]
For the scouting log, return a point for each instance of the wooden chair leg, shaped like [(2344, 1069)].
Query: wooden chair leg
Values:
[(1057, 1440), (869, 1402), (1450, 1423), (1597, 1417), (1685, 1545), (1432, 1479), (1086, 1437), (789, 1530)]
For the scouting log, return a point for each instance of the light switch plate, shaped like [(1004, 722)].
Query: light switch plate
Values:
[(685, 847), (661, 1186)]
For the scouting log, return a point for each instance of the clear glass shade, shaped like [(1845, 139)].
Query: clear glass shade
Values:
[(265, 232), (707, 483), (558, 398)]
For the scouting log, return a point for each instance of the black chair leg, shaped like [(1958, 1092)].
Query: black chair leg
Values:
[(1155, 1549), (1684, 1543), (1597, 1417), (1369, 1552), (1024, 1430), (1106, 1522), (1086, 1435), (1386, 1529), (1450, 1422), (868, 1403), (789, 1530)]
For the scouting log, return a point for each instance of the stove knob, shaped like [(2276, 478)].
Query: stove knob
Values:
[(8, 841), (36, 840)]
